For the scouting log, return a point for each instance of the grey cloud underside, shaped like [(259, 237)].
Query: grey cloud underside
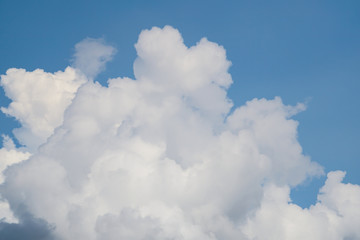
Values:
[(161, 156), (29, 228)]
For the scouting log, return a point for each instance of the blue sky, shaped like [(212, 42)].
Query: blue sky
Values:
[(302, 51)]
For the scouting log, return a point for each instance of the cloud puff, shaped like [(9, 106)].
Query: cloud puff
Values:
[(334, 216), (163, 157), (39, 100)]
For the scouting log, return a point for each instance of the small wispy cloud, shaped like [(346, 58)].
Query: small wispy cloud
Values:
[(91, 55)]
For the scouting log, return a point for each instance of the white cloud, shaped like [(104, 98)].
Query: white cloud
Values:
[(335, 216), (91, 55), (9, 155), (160, 157), (39, 100)]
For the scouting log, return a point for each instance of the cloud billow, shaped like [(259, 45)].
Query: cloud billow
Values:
[(161, 156)]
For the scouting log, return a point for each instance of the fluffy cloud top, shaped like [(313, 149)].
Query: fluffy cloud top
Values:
[(334, 216), (39, 100), (161, 156)]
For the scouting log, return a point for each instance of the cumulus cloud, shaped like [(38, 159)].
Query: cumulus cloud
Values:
[(163, 157)]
